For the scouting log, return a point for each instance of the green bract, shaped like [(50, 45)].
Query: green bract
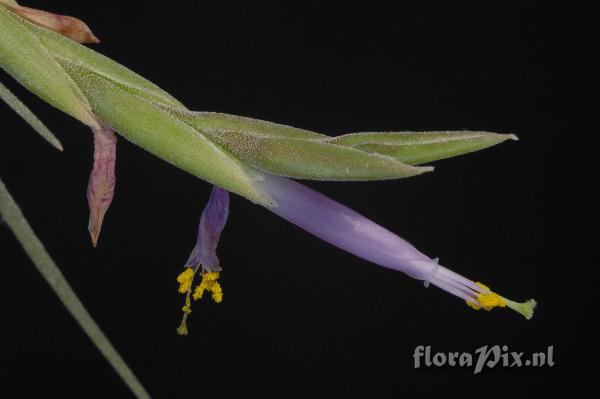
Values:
[(226, 150), (24, 57), (419, 147), (291, 152)]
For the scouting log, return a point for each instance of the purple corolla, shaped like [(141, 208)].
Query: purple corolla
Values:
[(204, 255), (213, 219)]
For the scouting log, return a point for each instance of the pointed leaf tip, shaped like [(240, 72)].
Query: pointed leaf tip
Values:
[(16, 221), (416, 148)]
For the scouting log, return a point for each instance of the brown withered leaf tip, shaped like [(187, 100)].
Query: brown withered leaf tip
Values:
[(71, 27)]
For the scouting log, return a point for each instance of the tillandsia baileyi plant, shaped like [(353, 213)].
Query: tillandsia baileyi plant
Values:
[(252, 158)]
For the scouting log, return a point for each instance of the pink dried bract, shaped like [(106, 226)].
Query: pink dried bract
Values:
[(71, 27), (101, 185)]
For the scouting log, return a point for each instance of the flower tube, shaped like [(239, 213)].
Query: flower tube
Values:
[(352, 232)]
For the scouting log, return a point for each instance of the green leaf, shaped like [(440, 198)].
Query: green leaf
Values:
[(420, 147), (25, 113), (10, 212)]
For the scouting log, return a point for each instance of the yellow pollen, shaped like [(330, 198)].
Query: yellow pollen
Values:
[(185, 280), (210, 284), (187, 307), (487, 301)]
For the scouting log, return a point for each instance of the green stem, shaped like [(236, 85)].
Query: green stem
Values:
[(34, 248)]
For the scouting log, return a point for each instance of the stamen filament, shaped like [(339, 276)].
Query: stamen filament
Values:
[(455, 276), (466, 291), (453, 290), (185, 280)]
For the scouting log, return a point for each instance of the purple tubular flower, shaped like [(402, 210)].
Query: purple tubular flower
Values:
[(345, 228), (213, 219), (101, 184), (352, 232), (204, 255)]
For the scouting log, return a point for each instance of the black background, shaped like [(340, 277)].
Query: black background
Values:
[(300, 317)]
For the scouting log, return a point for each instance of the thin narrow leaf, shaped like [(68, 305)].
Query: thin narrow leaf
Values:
[(15, 220), (25, 113), (420, 147)]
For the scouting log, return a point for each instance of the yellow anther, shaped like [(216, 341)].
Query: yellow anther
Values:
[(185, 280), (473, 305), (487, 301), (185, 287), (209, 283)]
